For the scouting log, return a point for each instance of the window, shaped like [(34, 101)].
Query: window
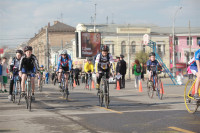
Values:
[(133, 46), (159, 49), (111, 48), (176, 40), (198, 40), (123, 47), (189, 43)]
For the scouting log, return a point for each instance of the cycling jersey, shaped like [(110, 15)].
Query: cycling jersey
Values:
[(14, 66), (29, 64), (196, 57), (152, 64), (64, 63), (103, 62), (88, 67)]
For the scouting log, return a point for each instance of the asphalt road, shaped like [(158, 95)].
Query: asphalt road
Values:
[(130, 111)]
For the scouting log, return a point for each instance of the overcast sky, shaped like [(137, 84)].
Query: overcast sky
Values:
[(21, 19)]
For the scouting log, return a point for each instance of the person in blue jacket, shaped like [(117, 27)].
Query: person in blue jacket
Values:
[(64, 66), (47, 77)]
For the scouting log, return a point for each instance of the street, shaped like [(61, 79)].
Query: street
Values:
[(130, 111)]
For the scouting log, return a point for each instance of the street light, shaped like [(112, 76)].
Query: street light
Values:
[(173, 30)]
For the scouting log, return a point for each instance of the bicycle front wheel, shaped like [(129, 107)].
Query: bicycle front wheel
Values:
[(150, 90), (190, 102), (159, 89)]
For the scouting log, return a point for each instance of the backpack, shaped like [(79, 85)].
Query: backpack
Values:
[(138, 68), (108, 57)]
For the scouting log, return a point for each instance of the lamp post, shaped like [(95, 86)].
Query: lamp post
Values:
[(173, 41), (129, 54)]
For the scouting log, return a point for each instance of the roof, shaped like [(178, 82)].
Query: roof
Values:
[(61, 27)]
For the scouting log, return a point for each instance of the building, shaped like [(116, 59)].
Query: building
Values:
[(51, 39)]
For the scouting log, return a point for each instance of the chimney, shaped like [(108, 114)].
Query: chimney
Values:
[(48, 24), (55, 22)]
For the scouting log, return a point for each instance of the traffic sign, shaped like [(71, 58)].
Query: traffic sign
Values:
[(146, 39)]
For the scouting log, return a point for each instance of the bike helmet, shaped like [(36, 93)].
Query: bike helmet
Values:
[(152, 54), (28, 48), (105, 48), (19, 51), (64, 52), (41, 66)]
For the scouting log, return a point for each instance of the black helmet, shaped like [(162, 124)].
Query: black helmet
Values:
[(152, 54), (28, 48), (19, 51), (105, 48)]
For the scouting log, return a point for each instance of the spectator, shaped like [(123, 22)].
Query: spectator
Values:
[(1, 77), (122, 70), (47, 77), (4, 73), (137, 72), (76, 74)]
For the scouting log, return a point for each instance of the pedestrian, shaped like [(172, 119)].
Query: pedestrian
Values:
[(137, 72), (4, 73), (122, 70), (142, 71), (118, 65), (76, 74), (47, 77), (1, 81)]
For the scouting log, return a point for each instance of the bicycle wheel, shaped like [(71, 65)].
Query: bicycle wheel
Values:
[(101, 96), (190, 102), (159, 91), (89, 85), (67, 94), (150, 90), (106, 95)]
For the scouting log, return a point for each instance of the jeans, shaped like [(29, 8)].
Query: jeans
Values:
[(137, 79)]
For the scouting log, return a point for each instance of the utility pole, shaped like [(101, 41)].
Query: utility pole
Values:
[(129, 54), (189, 42), (95, 17), (47, 45)]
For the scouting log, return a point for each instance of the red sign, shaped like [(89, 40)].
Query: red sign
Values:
[(90, 43), (1, 50)]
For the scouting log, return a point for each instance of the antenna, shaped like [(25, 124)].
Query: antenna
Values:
[(95, 18), (61, 17), (107, 20), (112, 18)]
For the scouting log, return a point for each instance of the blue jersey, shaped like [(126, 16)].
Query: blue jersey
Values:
[(196, 57), (152, 64), (67, 62)]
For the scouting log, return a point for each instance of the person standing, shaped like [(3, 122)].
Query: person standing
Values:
[(76, 74), (4, 73), (137, 72), (122, 70), (117, 70)]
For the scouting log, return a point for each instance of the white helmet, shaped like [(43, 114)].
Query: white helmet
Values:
[(64, 52)]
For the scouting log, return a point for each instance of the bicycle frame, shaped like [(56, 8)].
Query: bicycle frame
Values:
[(192, 88)]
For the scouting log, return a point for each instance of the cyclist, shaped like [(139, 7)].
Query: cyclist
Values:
[(64, 64), (195, 69), (14, 71), (104, 61), (28, 64), (40, 75), (151, 63), (88, 68)]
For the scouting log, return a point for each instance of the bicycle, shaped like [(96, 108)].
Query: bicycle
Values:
[(71, 87), (65, 91), (28, 92), (17, 88), (191, 103), (155, 83), (89, 82), (104, 91)]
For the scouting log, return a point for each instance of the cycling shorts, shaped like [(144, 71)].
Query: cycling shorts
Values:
[(32, 72), (194, 69)]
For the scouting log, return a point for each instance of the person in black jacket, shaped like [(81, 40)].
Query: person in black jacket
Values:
[(122, 70), (76, 73)]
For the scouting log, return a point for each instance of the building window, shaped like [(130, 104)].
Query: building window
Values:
[(198, 40), (159, 49), (176, 40), (123, 50), (189, 43), (111, 48), (133, 46)]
